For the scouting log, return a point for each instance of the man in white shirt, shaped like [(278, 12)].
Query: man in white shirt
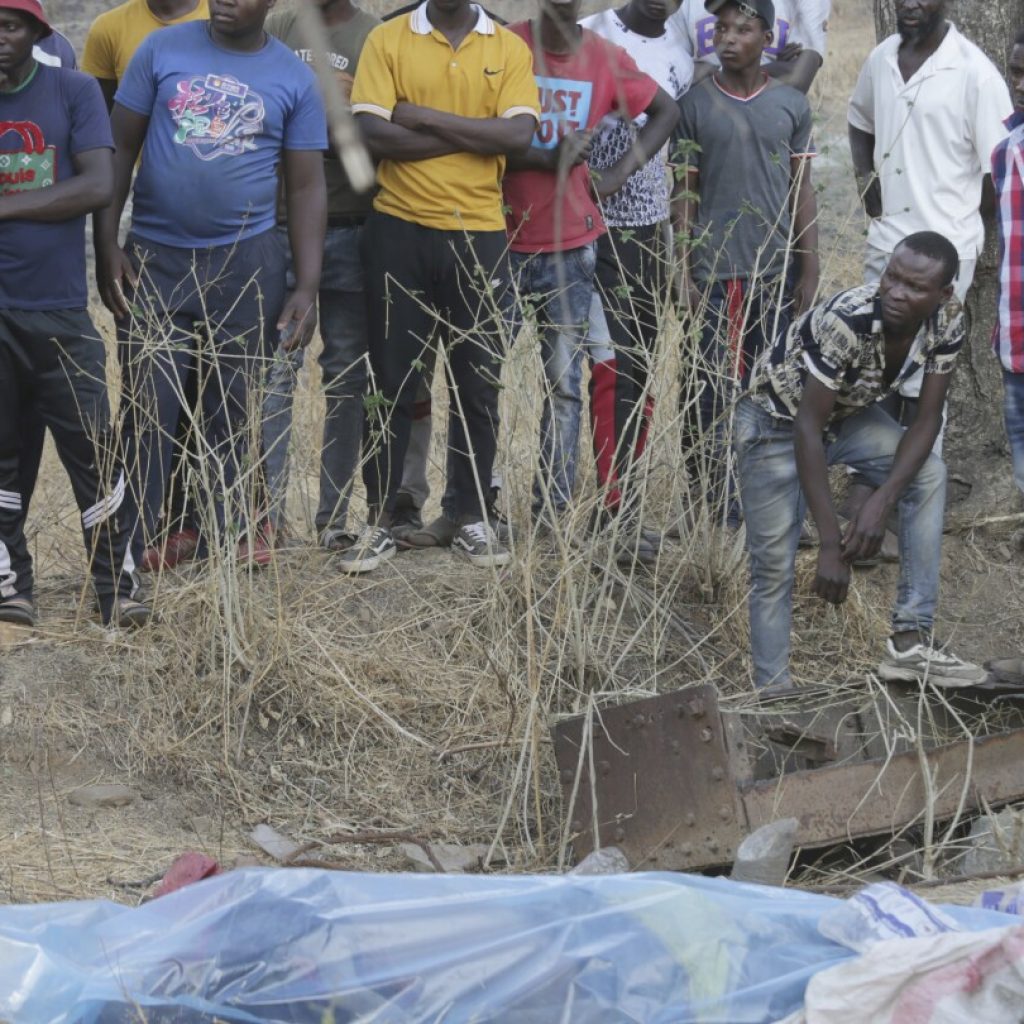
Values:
[(927, 111), (794, 55)]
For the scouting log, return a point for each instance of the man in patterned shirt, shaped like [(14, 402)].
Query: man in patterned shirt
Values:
[(814, 400)]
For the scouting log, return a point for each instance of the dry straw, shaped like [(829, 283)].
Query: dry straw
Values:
[(418, 699)]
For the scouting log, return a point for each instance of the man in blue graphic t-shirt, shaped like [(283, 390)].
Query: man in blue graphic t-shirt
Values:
[(220, 106), (55, 167)]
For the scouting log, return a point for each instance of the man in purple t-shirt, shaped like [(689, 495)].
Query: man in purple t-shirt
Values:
[(55, 167)]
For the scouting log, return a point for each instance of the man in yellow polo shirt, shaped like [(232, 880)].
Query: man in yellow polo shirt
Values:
[(442, 95), (116, 34)]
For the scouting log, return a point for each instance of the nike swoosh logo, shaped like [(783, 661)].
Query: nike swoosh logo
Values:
[(488, 71)]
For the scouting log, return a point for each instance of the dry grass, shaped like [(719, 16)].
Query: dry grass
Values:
[(418, 699)]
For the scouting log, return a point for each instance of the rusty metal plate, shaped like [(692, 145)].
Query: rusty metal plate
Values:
[(664, 791), (837, 803)]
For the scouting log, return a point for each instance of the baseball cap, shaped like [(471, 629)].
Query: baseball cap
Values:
[(763, 9), (33, 7)]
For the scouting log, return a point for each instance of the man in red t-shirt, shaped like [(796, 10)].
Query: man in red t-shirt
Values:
[(554, 219)]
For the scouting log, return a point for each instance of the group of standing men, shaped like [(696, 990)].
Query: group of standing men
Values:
[(519, 170)]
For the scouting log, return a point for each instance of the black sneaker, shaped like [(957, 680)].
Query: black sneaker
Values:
[(334, 538), (127, 613), (374, 546), (406, 517), (635, 545), (19, 610), (480, 544)]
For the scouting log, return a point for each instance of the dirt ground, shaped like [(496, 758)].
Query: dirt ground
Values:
[(394, 705)]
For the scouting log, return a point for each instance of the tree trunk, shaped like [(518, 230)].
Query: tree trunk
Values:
[(976, 449)]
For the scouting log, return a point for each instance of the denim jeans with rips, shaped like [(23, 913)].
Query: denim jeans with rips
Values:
[(773, 507), (555, 288)]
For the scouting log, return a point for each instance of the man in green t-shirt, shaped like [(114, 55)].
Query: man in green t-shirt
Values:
[(342, 307)]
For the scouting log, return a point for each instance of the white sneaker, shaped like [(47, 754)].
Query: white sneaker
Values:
[(931, 664), (480, 544), (374, 546)]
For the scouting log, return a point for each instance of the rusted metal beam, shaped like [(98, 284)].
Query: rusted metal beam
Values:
[(837, 803), (662, 777), (669, 779)]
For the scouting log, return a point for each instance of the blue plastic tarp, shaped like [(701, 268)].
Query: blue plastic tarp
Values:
[(324, 947)]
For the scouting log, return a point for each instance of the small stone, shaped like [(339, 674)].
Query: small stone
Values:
[(609, 860), (112, 795), (271, 842), (763, 857), (996, 843), (453, 857), (6, 717)]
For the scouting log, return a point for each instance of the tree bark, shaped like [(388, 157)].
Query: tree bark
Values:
[(976, 449)]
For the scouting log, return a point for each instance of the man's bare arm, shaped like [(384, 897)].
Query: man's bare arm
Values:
[(662, 114), (862, 152), (487, 136), (112, 265), (799, 72), (832, 580), (389, 141), (684, 213), (805, 234), (865, 534), (108, 86)]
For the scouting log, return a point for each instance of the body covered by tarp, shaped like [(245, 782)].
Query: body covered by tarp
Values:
[(301, 945)]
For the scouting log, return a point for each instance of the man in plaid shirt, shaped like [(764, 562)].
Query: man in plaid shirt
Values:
[(1008, 336), (816, 399)]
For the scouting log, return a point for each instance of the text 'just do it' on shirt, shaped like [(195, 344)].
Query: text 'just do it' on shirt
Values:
[(577, 90)]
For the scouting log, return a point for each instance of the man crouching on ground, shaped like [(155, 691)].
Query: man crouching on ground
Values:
[(814, 402)]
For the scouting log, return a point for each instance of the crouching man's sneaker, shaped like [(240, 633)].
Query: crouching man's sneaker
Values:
[(374, 546), (924, 661), (480, 544)]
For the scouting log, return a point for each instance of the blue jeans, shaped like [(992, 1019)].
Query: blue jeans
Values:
[(343, 362), (556, 287), (773, 508), (1013, 415)]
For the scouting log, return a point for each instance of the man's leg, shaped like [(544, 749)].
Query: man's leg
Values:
[(1013, 412), (476, 297), (867, 442), (560, 286), (155, 348), (15, 561), (282, 375), (343, 363), (417, 456), (243, 292), (400, 260), (30, 453), (772, 510), (631, 277), (709, 378), (69, 368)]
